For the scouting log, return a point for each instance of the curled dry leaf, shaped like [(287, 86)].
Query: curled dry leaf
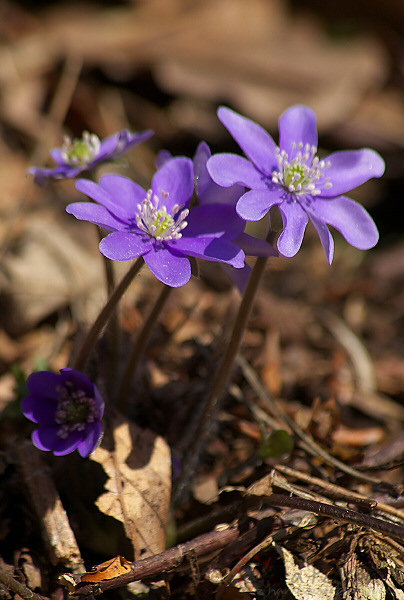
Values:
[(138, 465), (105, 571)]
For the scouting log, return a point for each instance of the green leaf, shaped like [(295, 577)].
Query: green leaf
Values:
[(278, 444)]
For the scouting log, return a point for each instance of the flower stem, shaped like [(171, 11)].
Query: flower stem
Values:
[(221, 379), (112, 334), (87, 346), (108, 268), (139, 346)]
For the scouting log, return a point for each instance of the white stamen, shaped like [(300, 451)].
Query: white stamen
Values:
[(302, 173), (157, 222)]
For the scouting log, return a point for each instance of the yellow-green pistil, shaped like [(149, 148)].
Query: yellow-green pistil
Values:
[(80, 151)]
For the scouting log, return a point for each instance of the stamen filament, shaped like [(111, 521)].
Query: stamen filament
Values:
[(156, 221), (301, 172)]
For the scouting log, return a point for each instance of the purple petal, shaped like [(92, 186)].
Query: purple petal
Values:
[(125, 246), (162, 157), (253, 246), (255, 142), (214, 249), (95, 213), (351, 168), (326, 238), (44, 384), (128, 140), (41, 176), (107, 147), (255, 204), (213, 220), (56, 154), (349, 218), (125, 192), (45, 437), (99, 401), (103, 197), (78, 380), (294, 224), (39, 409), (168, 266), (177, 179), (207, 190), (229, 169), (90, 440), (67, 445), (297, 124), (239, 277)]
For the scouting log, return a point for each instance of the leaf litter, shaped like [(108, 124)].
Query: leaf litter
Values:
[(327, 344)]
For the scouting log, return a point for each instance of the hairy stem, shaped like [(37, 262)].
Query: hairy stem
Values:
[(221, 379), (94, 332), (140, 344)]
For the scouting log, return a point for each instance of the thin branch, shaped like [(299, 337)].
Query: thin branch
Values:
[(18, 588), (169, 560), (337, 491), (338, 513), (306, 442)]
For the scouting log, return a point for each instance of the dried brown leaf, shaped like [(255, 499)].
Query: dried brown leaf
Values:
[(359, 584), (138, 465), (49, 271), (306, 582)]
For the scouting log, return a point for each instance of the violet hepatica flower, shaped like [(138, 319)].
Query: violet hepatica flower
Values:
[(292, 177), (68, 408), (158, 224), (82, 154), (209, 193)]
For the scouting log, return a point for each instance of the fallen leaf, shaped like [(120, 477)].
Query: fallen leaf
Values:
[(108, 570), (138, 465), (306, 582), (359, 583), (49, 271)]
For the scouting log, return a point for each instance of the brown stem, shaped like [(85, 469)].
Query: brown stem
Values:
[(14, 586), (338, 513), (221, 379), (140, 344), (202, 547), (92, 335)]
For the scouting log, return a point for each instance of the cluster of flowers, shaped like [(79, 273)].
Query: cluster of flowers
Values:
[(165, 228)]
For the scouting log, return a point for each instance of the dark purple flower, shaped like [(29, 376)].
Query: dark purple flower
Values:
[(209, 192), (292, 177), (69, 409), (82, 154), (158, 224)]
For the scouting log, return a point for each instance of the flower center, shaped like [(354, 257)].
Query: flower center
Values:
[(80, 151), (302, 173), (74, 410), (153, 218)]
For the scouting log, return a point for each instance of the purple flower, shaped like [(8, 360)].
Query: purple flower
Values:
[(69, 409), (158, 224), (82, 154), (209, 192), (292, 177)]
